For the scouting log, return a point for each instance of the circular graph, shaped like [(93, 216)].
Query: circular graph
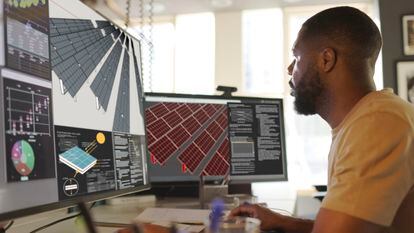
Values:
[(23, 157), (70, 187)]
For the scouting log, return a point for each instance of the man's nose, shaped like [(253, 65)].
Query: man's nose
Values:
[(292, 87), (290, 68), (292, 83)]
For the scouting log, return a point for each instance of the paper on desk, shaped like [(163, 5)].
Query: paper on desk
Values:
[(190, 228), (182, 227), (191, 216)]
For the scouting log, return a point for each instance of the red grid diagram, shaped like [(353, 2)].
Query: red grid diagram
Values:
[(171, 125)]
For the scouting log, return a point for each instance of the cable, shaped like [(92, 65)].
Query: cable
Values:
[(55, 222), (5, 228), (8, 225), (87, 217), (145, 24), (128, 6), (60, 220), (151, 44), (141, 24)]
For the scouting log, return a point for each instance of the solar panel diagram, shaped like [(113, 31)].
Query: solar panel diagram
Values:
[(95, 70), (192, 135), (121, 122), (78, 160), (85, 161)]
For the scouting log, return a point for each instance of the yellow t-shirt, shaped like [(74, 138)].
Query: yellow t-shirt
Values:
[(371, 163)]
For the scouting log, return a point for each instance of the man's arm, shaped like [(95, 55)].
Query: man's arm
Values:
[(273, 221), (327, 221)]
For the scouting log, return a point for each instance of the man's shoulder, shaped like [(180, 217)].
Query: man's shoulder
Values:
[(385, 102)]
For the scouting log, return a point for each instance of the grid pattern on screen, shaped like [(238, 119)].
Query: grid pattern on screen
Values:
[(194, 131), (77, 47), (77, 159), (104, 81), (121, 122), (220, 161), (137, 73)]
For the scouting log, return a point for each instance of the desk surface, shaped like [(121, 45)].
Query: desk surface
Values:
[(121, 214)]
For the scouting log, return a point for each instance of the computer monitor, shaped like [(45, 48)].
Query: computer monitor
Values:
[(72, 118), (199, 135)]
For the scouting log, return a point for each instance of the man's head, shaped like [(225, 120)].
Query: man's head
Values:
[(340, 41)]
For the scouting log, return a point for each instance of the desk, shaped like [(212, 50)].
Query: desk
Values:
[(123, 214), (115, 214)]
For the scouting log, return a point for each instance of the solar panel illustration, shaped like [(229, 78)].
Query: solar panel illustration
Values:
[(104, 81), (78, 159), (121, 122), (77, 47), (194, 134), (94, 58)]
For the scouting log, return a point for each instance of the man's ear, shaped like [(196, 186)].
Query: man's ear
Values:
[(328, 58)]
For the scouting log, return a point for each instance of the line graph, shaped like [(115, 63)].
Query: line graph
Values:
[(28, 112)]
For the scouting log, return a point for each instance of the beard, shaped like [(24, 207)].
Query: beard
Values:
[(308, 92)]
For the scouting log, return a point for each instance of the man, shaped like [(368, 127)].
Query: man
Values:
[(371, 160)]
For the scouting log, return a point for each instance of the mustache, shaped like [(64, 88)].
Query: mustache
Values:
[(292, 87)]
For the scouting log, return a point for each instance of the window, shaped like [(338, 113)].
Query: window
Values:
[(194, 57), (262, 51), (161, 67), (182, 56)]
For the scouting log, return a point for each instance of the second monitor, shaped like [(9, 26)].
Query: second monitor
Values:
[(199, 135)]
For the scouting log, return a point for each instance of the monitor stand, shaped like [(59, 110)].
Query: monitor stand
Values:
[(208, 192), (240, 189)]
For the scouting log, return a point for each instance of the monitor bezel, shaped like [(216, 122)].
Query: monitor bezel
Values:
[(61, 204), (246, 179)]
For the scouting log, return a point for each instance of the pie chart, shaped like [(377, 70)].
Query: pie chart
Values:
[(23, 157)]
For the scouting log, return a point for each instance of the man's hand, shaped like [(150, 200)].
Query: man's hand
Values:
[(273, 221), (270, 220)]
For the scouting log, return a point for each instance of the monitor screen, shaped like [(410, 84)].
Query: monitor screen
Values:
[(72, 115), (198, 135)]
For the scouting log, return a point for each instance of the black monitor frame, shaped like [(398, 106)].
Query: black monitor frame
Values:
[(233, 179)]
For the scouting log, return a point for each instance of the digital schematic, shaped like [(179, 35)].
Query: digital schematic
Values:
[(77, 47), (27, 36), (86, 161), (95, 57), (104, 81), (78, 160)]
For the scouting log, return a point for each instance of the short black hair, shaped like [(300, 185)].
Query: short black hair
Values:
[(346, 27)]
